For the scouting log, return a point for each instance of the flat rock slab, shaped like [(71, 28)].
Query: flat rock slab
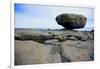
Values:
[(77, 50), (31, 52)]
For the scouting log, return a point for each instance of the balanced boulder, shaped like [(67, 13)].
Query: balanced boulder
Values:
[(71, 21)]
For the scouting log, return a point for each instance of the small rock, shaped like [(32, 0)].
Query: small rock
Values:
[(61, 37)]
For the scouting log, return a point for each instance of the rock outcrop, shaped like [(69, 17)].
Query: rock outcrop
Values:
[(71, 21), (59, 35), (53, 46)]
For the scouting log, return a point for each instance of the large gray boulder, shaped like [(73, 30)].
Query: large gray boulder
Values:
[(71, 21)]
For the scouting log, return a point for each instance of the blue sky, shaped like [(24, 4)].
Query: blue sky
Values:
[(39, 16)]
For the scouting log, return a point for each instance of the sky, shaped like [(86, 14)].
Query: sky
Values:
[(42, 16)]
